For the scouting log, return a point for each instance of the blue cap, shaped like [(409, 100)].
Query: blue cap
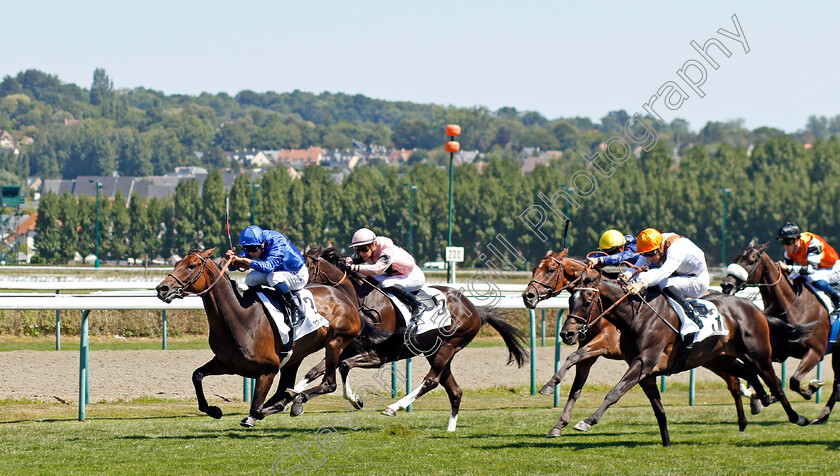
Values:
[(251, 236)]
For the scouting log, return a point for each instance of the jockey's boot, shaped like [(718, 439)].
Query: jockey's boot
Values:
[(676, 295), (410, 300), (292, 302)]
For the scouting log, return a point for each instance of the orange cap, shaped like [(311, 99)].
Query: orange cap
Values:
[(648, 240)]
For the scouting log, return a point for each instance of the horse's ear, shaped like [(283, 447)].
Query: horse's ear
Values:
[(753, 242), (548, 253), (306, 250), (207, 253), (764, 247), (562, 254)]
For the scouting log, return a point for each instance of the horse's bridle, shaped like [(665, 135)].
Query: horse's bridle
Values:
[(180, 292), (751, 274), (326, 277), (587, 321), (551, 290)]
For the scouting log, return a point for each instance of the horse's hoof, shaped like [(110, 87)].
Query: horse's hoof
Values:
[(214, 412), (582, 426), (248, 422), (802, 421), (554, 433), (297, 409), (815, 385), (819, 420), (547, 390), (755, 406), (357, 404), (389, 412)]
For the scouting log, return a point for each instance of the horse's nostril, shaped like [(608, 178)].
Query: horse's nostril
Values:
[(529, 295)]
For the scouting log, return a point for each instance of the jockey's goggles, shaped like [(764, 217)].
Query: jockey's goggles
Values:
[(251, 248), (787, 241), (648, 254), (362, 249)]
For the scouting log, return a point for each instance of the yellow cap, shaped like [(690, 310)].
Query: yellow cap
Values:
[(611, 239)]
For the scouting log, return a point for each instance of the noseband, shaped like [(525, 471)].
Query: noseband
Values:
[(751, 275)]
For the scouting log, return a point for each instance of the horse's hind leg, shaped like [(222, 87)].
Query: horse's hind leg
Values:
[(310, 376), (328, 385), (808, 362), (835, 392), (448, 382), (648, 384), (765, 370), (581, 374), (214, 367), (438, 362)]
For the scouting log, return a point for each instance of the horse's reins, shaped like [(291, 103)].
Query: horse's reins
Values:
[(200, 272), (551, 290), (751, 275)]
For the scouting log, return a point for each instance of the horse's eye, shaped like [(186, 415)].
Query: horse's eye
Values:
[(192, 266), (551, 270)]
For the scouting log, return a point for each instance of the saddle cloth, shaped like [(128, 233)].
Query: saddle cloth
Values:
[(311, 321), (436, 316), (824, 299), (709, 316)]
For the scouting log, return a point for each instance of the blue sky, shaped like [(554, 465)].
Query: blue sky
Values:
[(559, 58)]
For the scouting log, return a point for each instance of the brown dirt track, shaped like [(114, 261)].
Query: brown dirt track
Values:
[(115, 375)]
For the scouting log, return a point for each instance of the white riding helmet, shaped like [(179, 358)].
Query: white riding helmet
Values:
[(363, 237)]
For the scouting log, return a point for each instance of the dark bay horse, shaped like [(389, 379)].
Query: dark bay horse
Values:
[(556, 272), (649, 342), (798, 305), (243, 339), (439, 347)]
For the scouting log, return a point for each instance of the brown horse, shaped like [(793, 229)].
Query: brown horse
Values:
[(798, 305), (553, 274), (243, 338), (439, 347), (649, 342)]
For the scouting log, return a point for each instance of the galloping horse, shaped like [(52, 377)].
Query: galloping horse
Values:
[(649, 342), (797, 305), (553, 274), (438, 346), (243, 340)]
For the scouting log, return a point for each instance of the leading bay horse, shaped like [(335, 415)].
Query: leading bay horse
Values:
[(439, 346), (556, 272), (649, 342), (798, 305), (243, 339)]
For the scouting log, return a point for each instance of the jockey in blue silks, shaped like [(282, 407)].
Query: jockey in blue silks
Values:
[(616, 248), (274, 262)]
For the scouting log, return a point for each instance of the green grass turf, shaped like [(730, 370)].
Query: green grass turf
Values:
[(500, 431)]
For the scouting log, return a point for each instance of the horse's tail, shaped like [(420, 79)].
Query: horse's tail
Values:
[(369, 335), (514, 338), (783, 332)]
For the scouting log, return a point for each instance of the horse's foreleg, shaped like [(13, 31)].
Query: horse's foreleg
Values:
[(648, 384), (368, 360), (282, 397), (264, 382), (581, 374), (810, 360), (214, 367), (639, 369), (835, 392), (574, 358)]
